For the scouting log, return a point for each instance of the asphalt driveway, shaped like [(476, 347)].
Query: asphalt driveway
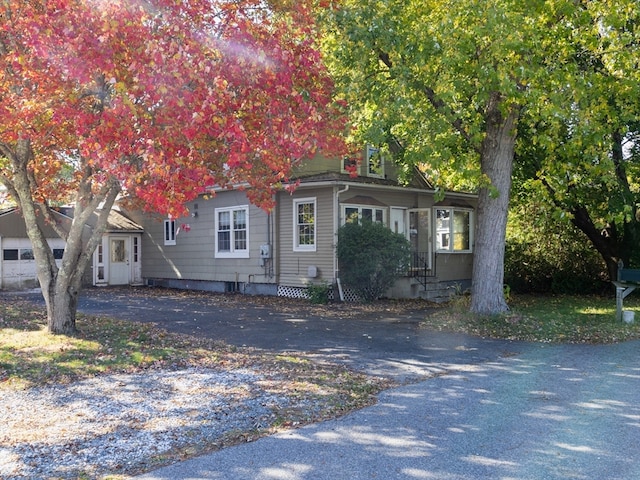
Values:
[(490, 409), (549, 413), (386, 342)]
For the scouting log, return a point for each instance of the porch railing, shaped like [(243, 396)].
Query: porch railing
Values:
[(423, 266)]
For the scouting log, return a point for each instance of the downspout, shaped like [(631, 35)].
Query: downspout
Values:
[(336, 225)]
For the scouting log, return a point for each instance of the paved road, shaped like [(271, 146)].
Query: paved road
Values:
[(491, 410)]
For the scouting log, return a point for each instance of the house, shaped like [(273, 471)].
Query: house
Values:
[(116, 261), (229, 245)]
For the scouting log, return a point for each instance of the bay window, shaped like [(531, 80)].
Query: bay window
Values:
[(453, 229)]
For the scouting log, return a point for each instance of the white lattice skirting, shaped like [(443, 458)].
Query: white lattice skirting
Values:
[(301, 292)]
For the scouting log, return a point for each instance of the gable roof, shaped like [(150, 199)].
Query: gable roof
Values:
[(117, 222)]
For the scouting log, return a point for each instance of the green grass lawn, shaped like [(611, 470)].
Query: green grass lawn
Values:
[(549, 319)]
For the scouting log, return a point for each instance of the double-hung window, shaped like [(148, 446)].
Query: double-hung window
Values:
[(232, 232), (454, 230), (169, 232), (375, 162), (304, 225)]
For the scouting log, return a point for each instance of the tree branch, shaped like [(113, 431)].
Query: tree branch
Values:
[(440, 106)]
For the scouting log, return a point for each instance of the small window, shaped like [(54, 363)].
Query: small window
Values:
[(136, 249), (349, 165), (10, 254), (26, 254), (232, 232), (169, 232), (375, 162), (118, 252), (304, 222), (351, 215), (58, 253), (453, 230)]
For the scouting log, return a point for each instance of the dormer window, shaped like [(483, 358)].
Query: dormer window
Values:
[(375, 162), (349, 165)]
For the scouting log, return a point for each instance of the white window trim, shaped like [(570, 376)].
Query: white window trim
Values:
[(360, 207), (244, 253), (371, 150), (451, 233), (296, 237), (350, 160), (169, 234)]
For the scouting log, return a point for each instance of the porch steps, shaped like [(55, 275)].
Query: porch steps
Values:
[(437, 292)]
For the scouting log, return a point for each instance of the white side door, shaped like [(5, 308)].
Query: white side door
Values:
[(119, 262)]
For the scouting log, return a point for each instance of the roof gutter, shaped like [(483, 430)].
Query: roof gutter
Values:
[(326, 183)]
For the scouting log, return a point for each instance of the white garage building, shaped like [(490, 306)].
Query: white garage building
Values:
[(116, 261)]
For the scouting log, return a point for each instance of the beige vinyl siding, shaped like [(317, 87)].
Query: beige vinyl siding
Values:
[(391, 198), (193, 255), (454, 266), (320, 164), (294, 265)]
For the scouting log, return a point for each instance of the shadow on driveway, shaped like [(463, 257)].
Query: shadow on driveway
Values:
[(383, 339), (554, 413)]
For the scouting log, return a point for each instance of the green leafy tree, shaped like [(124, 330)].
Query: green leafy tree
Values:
[(545, 253), (371, 257), (596, 189), (447, 84)]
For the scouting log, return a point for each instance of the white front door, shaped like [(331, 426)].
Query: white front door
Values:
[(397, 222), (119, 262)]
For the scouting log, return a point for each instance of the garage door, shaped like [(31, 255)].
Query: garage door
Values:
[(18, 265)]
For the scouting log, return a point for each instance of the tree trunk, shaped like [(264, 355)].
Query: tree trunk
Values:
[(606, 245), (60, 285), (62, 304), (493, 205)]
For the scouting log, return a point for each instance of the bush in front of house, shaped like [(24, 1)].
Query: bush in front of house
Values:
[(318, 293), (371, 257)]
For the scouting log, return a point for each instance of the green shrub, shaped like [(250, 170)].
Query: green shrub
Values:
[(529, 269), (318, 293), (545, 253), (371, 258)]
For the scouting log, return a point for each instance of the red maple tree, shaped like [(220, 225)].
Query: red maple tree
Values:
[(155, 100)]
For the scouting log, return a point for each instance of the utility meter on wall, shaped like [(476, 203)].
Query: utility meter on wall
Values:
[(265, 251)]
